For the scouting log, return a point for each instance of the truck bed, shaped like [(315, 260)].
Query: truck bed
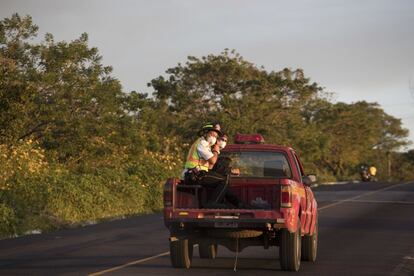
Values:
[(263, 198), (262, 195)]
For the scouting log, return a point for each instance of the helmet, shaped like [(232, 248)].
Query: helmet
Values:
[(210, 127)]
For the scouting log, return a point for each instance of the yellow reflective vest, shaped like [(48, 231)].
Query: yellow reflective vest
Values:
[(372, 170), (194, 160)]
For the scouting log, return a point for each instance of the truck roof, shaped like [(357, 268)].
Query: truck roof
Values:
[(249, 147)]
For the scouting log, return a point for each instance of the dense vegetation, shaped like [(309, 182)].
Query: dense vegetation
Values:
[(75, 147)]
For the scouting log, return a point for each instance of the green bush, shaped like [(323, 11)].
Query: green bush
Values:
[(55, 197), (8, 221)]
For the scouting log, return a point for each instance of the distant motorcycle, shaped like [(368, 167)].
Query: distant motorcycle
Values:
[(366, 175)]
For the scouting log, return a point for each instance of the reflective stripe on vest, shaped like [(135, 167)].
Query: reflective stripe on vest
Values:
[(194, 160)]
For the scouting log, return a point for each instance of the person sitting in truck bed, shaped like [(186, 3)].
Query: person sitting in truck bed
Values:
[(199, 164)]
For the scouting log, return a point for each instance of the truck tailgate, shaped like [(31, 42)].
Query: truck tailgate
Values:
[(262, 195)]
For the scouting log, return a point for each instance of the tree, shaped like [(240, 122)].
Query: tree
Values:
[(241, 96), (58, 93), (285, 106), (352, 133)]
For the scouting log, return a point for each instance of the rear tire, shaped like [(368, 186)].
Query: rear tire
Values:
[(310, 246), (207, 251), (181, 253), (290, 249)]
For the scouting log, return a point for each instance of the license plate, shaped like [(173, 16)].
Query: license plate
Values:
[(226, 224)]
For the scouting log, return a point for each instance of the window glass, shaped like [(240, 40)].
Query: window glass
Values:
[(260, 164)]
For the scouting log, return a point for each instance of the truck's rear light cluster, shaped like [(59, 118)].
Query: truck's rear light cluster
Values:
[(285, 196), (168, 194)]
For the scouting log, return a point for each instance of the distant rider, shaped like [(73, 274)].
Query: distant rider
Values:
[(373, 172)]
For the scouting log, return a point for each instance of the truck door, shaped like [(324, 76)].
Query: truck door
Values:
[(306, 218)]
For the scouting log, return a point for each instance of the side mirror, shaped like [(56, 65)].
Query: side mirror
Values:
[(309, 179)]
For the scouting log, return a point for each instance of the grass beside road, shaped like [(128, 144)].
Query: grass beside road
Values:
[(65, 200)]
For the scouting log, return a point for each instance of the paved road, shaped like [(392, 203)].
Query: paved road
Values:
[(365, 229)]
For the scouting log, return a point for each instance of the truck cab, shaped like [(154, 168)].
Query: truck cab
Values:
[(282, 210)]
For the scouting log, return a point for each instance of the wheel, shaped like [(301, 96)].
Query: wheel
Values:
[(290, 249), (235, 234), (310, 246), (181, 253), (207, 251)]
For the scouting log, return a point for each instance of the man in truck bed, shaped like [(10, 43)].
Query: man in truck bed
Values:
[(201, 158)]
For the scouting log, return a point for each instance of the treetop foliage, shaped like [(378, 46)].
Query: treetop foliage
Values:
[(60, 95)]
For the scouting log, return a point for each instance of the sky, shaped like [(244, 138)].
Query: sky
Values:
[(359, 50)]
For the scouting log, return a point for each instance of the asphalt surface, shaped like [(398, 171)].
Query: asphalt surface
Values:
[(364, 229)]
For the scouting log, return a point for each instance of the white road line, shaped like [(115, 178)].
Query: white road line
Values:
[(405, 267), (361, 195), (383, 201), (168, 253), (129, 264)]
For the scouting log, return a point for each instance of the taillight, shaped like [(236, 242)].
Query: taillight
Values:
[(168, 194), (285, 196)]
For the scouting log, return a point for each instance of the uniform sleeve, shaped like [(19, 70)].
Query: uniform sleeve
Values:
[(204, 151)]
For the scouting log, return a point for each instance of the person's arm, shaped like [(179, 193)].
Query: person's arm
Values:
[(211, 161), (208, 154)]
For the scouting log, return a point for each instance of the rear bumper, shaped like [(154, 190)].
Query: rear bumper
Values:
[(212, 223), (218, 218)]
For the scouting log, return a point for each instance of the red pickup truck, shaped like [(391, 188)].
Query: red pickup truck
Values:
[(282, 209)]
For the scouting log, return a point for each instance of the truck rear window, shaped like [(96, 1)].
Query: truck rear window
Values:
[(260, 164)]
